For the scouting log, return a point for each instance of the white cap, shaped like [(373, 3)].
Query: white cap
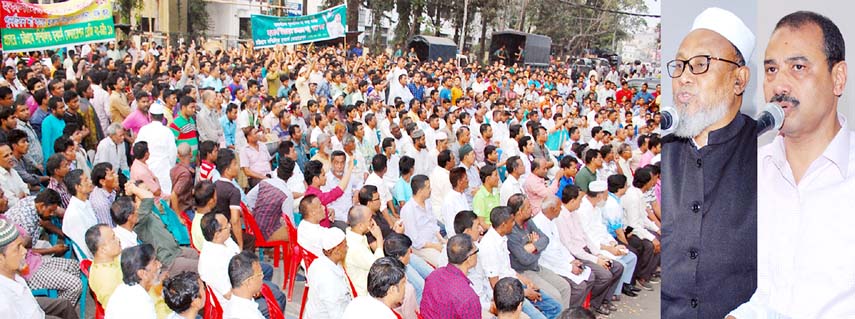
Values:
[(441, 136), (332, 238), (156, 108), (729, 26), (597, 186)]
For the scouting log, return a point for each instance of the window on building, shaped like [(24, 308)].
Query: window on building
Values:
[(245, 28), (147, 24)]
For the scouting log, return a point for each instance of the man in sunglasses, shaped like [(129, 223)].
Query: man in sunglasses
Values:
[(709, 230)]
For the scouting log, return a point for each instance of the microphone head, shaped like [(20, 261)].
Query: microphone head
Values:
[(670, 120), (777, 114)]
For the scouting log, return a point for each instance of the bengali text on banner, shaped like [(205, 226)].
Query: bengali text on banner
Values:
[(268, 31), (30, 27)]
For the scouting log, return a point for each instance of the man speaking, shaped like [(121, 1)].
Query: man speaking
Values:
[(709, 174)]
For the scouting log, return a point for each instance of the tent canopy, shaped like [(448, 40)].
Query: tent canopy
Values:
[(536, 47), (432, 48)]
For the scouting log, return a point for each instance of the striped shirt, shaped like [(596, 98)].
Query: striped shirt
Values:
[(184, 130)]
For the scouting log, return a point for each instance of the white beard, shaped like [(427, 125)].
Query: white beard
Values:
[(691, 125)]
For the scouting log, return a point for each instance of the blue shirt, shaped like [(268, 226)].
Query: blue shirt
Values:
[(565, 181), (52, 128), (642, 95), (402, 190), (418, 91), (556, 139), (444, 94), (229, 129)]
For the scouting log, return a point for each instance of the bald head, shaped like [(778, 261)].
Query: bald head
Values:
[(357, 216)]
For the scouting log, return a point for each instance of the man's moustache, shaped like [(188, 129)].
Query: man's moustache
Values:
[(778, 98)]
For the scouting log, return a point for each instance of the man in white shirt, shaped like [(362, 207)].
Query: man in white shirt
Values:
[(140, 271), (334, 178), (112, 149), (13, 186), (556, 257), (440, 183), (161, 146), (512, 184), (79, 215), (215, 254), (330, 290), (359, 253), (495, 261), (310, 233), (245, 277), (420, 224), (424, 161), (455, 201), (16, 298), (388, 286), (805, 179)]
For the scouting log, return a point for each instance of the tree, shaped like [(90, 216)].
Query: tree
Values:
[(197, 16), (126, 7)]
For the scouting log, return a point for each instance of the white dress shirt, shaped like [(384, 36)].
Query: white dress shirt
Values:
[(440, 188), (342, 204), (382, 189), (555, 257), (16, 300), (510, 187), (214, 266), (804, 236), (453, 204), (635, 213), (127, 238), (329, 293), (595, 230), (99, 103), (359, 260), (480, 283), (130, 302), (419, 223), (362, 305), (241, 308), (494, 255), (310, 236), (79, 216), (12, 185), (109, 152), (162, 150)]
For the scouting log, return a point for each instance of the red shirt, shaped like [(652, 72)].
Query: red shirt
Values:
[(326, 198), (621, 94), (205, 170)]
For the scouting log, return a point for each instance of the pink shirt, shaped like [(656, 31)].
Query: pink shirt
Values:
[(256, 159), (141, 172), (536, 189), (646, 158), (135, 121)]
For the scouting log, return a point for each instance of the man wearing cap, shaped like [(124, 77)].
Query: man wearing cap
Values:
[(16, 299), (424, 161), (712, 150), (331, 288), (161, 146), (805, 178)]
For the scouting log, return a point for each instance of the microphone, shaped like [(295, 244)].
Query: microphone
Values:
[(772, 117), (669, 120)]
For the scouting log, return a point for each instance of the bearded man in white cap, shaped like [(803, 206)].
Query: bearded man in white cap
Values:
[(330, 289), (806, 178), (161, 146), (709, 230)]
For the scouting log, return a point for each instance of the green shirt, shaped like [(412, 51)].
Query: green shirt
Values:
[(585, 177), (151, 230), (484, 202)]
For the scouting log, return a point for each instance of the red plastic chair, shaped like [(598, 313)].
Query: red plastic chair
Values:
[(84, 268), (419, 315), (260, 242), (212, 310), (307, 257), (272, 306), (189, 223), (293, 260), (587, 303)]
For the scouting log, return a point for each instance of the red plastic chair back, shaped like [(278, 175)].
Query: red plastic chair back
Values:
[(419, 315), (587, 303), (293, 258), (84, 268), (307, 257), (272, 305), (212, 310), (251, 227)]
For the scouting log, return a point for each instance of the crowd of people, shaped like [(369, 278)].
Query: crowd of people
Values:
[(420, 188)]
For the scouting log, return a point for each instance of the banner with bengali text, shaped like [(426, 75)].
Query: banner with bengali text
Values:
[(32, 27), (269, 31)]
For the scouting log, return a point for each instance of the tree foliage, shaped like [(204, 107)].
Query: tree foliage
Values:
[(198, 20)]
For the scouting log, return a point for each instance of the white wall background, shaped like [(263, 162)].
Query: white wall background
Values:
[(840, 12)]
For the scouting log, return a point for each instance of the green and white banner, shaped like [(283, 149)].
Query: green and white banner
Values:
[(30, 27), (269, 31)]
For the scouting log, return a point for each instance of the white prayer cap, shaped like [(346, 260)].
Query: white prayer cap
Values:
[(156, 109), (597, 186), (332, 238), (441, 136), (729, 26)]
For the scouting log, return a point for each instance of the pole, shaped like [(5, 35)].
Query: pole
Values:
[(463, 28)]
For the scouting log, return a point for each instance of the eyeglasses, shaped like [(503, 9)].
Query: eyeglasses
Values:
[(473, 253), (698, 64)]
